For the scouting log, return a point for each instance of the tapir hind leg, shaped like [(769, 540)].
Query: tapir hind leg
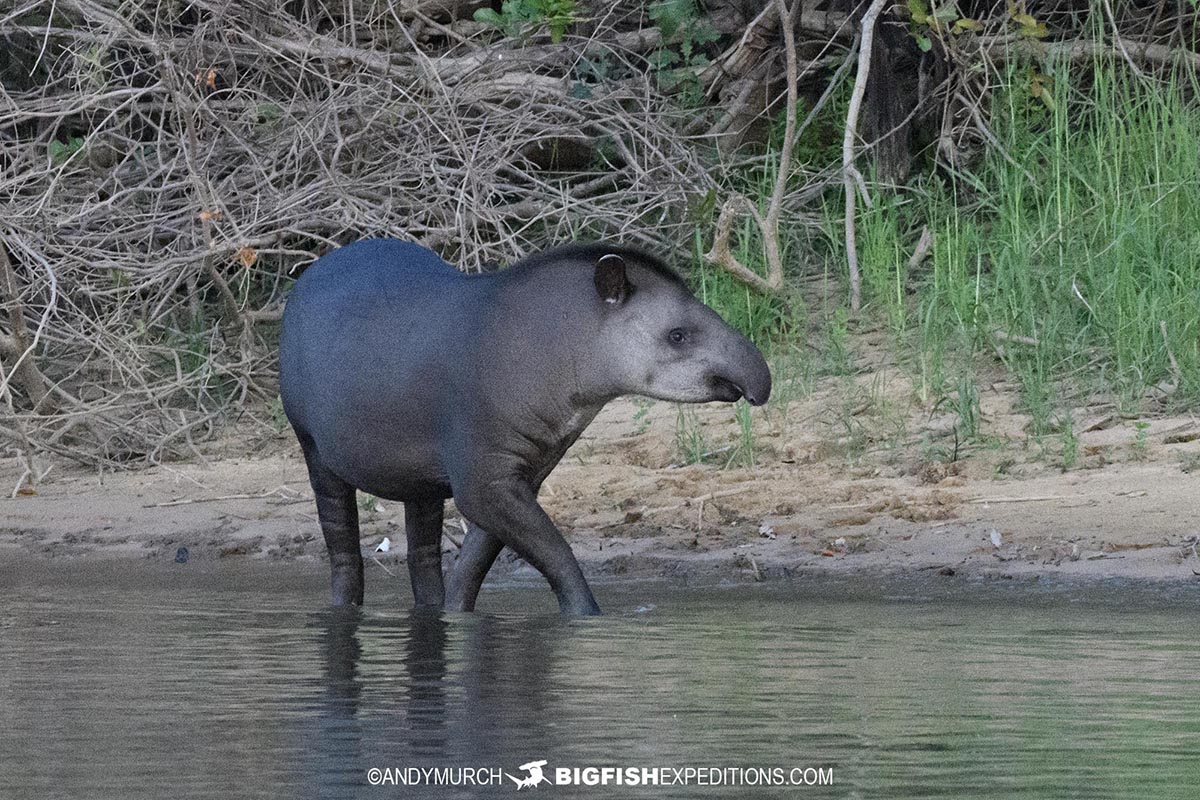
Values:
[(338, 514), (423, 529), (478, 553)]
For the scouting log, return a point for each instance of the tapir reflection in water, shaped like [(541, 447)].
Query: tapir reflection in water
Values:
[(408, 379)]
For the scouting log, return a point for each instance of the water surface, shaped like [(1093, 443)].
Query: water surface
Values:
[(132, 680)]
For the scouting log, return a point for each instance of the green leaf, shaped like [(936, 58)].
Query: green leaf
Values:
[(703, 206), (672, 15), (703, 34), (662, 59), (945, 13), (967, 24), (919, 11), (268, 112), (61, 152), (925, 43), (488, 17)]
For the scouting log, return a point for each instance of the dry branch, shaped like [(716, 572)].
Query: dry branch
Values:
[(1087, 50), (18, 345), (768, 226), (167, 169), (851, 177), (172, 175)]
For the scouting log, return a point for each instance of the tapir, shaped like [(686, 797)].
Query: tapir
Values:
[(416, 382)]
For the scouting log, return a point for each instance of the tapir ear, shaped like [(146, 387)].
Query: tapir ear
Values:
[(611, 282)]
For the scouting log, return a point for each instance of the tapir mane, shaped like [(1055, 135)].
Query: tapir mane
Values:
[(589, 253)]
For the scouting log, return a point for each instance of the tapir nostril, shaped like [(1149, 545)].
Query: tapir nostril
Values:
[(758, 390), (748, 377), (761, 396), (757, 396)]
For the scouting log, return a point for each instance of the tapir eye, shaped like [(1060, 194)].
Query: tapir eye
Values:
[(677, 336)]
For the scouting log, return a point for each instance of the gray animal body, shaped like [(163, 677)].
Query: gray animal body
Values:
[(408, 379)]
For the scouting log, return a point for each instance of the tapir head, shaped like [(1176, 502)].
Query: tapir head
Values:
[(656, 339)]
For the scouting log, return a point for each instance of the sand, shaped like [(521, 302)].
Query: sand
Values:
[(850, 475)]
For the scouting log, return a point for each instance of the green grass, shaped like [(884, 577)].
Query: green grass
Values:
[(691, 445), (1066, 261), (744, 449), (964, 403), (765, 319)]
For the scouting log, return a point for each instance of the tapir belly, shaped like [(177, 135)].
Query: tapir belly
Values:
[(401, 479), (390, 438)]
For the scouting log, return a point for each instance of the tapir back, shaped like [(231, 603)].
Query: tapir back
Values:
[(370, 337)]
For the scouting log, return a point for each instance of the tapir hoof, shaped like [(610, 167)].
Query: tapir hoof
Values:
[(579, 607), (347, 587)]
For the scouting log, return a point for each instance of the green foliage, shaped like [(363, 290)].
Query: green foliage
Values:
[(1070, 446), (191, 351), (691, 444), (192, 347), (1141, 440), (884, 265), (91, 62), (61, 152), (586, 72), (267, 114), (793, 376), (641, 417), (279, 420), (1025, 24), (673, 16), (928, 22), (1070, 252), (838, 358), (965, 405), (518, 18), (744, 451), (680, 21), (760, 317)]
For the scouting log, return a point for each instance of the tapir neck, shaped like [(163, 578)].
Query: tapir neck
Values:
[(544, 323), (535, 387)]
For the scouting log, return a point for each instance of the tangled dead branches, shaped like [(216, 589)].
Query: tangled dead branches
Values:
[(167, 170)]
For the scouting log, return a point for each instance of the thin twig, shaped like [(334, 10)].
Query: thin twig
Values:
[(190, 501), (1175, 371), (850, 174)]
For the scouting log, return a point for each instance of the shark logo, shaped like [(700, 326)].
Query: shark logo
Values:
[(535, 776)]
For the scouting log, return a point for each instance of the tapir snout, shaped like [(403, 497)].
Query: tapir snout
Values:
[(745, 374)]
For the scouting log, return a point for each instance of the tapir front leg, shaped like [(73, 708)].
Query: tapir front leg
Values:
[(508, 509), (478, 553)]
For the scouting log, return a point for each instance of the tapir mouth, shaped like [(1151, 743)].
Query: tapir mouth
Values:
[(730, 392), (726, 390)]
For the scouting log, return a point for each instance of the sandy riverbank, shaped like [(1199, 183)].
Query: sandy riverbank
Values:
[(815, 501)]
